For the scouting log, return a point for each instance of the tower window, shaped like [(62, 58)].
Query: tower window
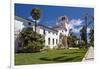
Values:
[(49, 31), (63, 18), (66, 30), (29, 23)]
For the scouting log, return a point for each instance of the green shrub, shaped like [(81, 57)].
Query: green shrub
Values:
[(30, 41)]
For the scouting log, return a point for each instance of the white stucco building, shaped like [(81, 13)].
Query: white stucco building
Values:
[(51, 35)]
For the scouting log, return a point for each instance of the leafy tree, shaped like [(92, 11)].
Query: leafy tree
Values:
[(29, 43), (91, 37), (83, 35), (71, 39)]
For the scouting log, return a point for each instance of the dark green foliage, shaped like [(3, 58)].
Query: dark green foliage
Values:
[(83, 35), (30, 41), (35, 13), (71, 40), (91, 37)]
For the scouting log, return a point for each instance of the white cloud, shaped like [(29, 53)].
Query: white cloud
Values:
[(77, 30), (75, 22)]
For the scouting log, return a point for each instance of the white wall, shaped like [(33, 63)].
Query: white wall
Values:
[(49, 33), (52, 36), (18, 26)]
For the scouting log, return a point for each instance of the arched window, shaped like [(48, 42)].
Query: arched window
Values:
[(44, 31), (56, 41), (66, 30), (29, 23), (49, 41), (53, 41)]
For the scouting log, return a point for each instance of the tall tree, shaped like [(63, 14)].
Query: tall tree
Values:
[(88, 21), (83, 35), (35, 13)]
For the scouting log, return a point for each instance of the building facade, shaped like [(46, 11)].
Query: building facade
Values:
[(51, 35)]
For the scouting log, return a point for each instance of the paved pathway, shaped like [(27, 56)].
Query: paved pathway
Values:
[(89, 55)]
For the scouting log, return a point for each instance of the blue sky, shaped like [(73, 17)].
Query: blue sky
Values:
[(49, 14)]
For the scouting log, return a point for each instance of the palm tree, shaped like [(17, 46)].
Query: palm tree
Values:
[(35, 13)]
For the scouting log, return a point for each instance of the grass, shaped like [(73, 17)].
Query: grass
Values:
[(51, 56)]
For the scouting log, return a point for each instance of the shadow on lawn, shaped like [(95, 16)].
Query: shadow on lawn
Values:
[(73, 52), (60, 59)]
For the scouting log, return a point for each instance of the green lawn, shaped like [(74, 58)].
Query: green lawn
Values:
[(51, 56)]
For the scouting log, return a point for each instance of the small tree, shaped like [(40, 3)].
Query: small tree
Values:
[(70, 41), (29, 43)]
